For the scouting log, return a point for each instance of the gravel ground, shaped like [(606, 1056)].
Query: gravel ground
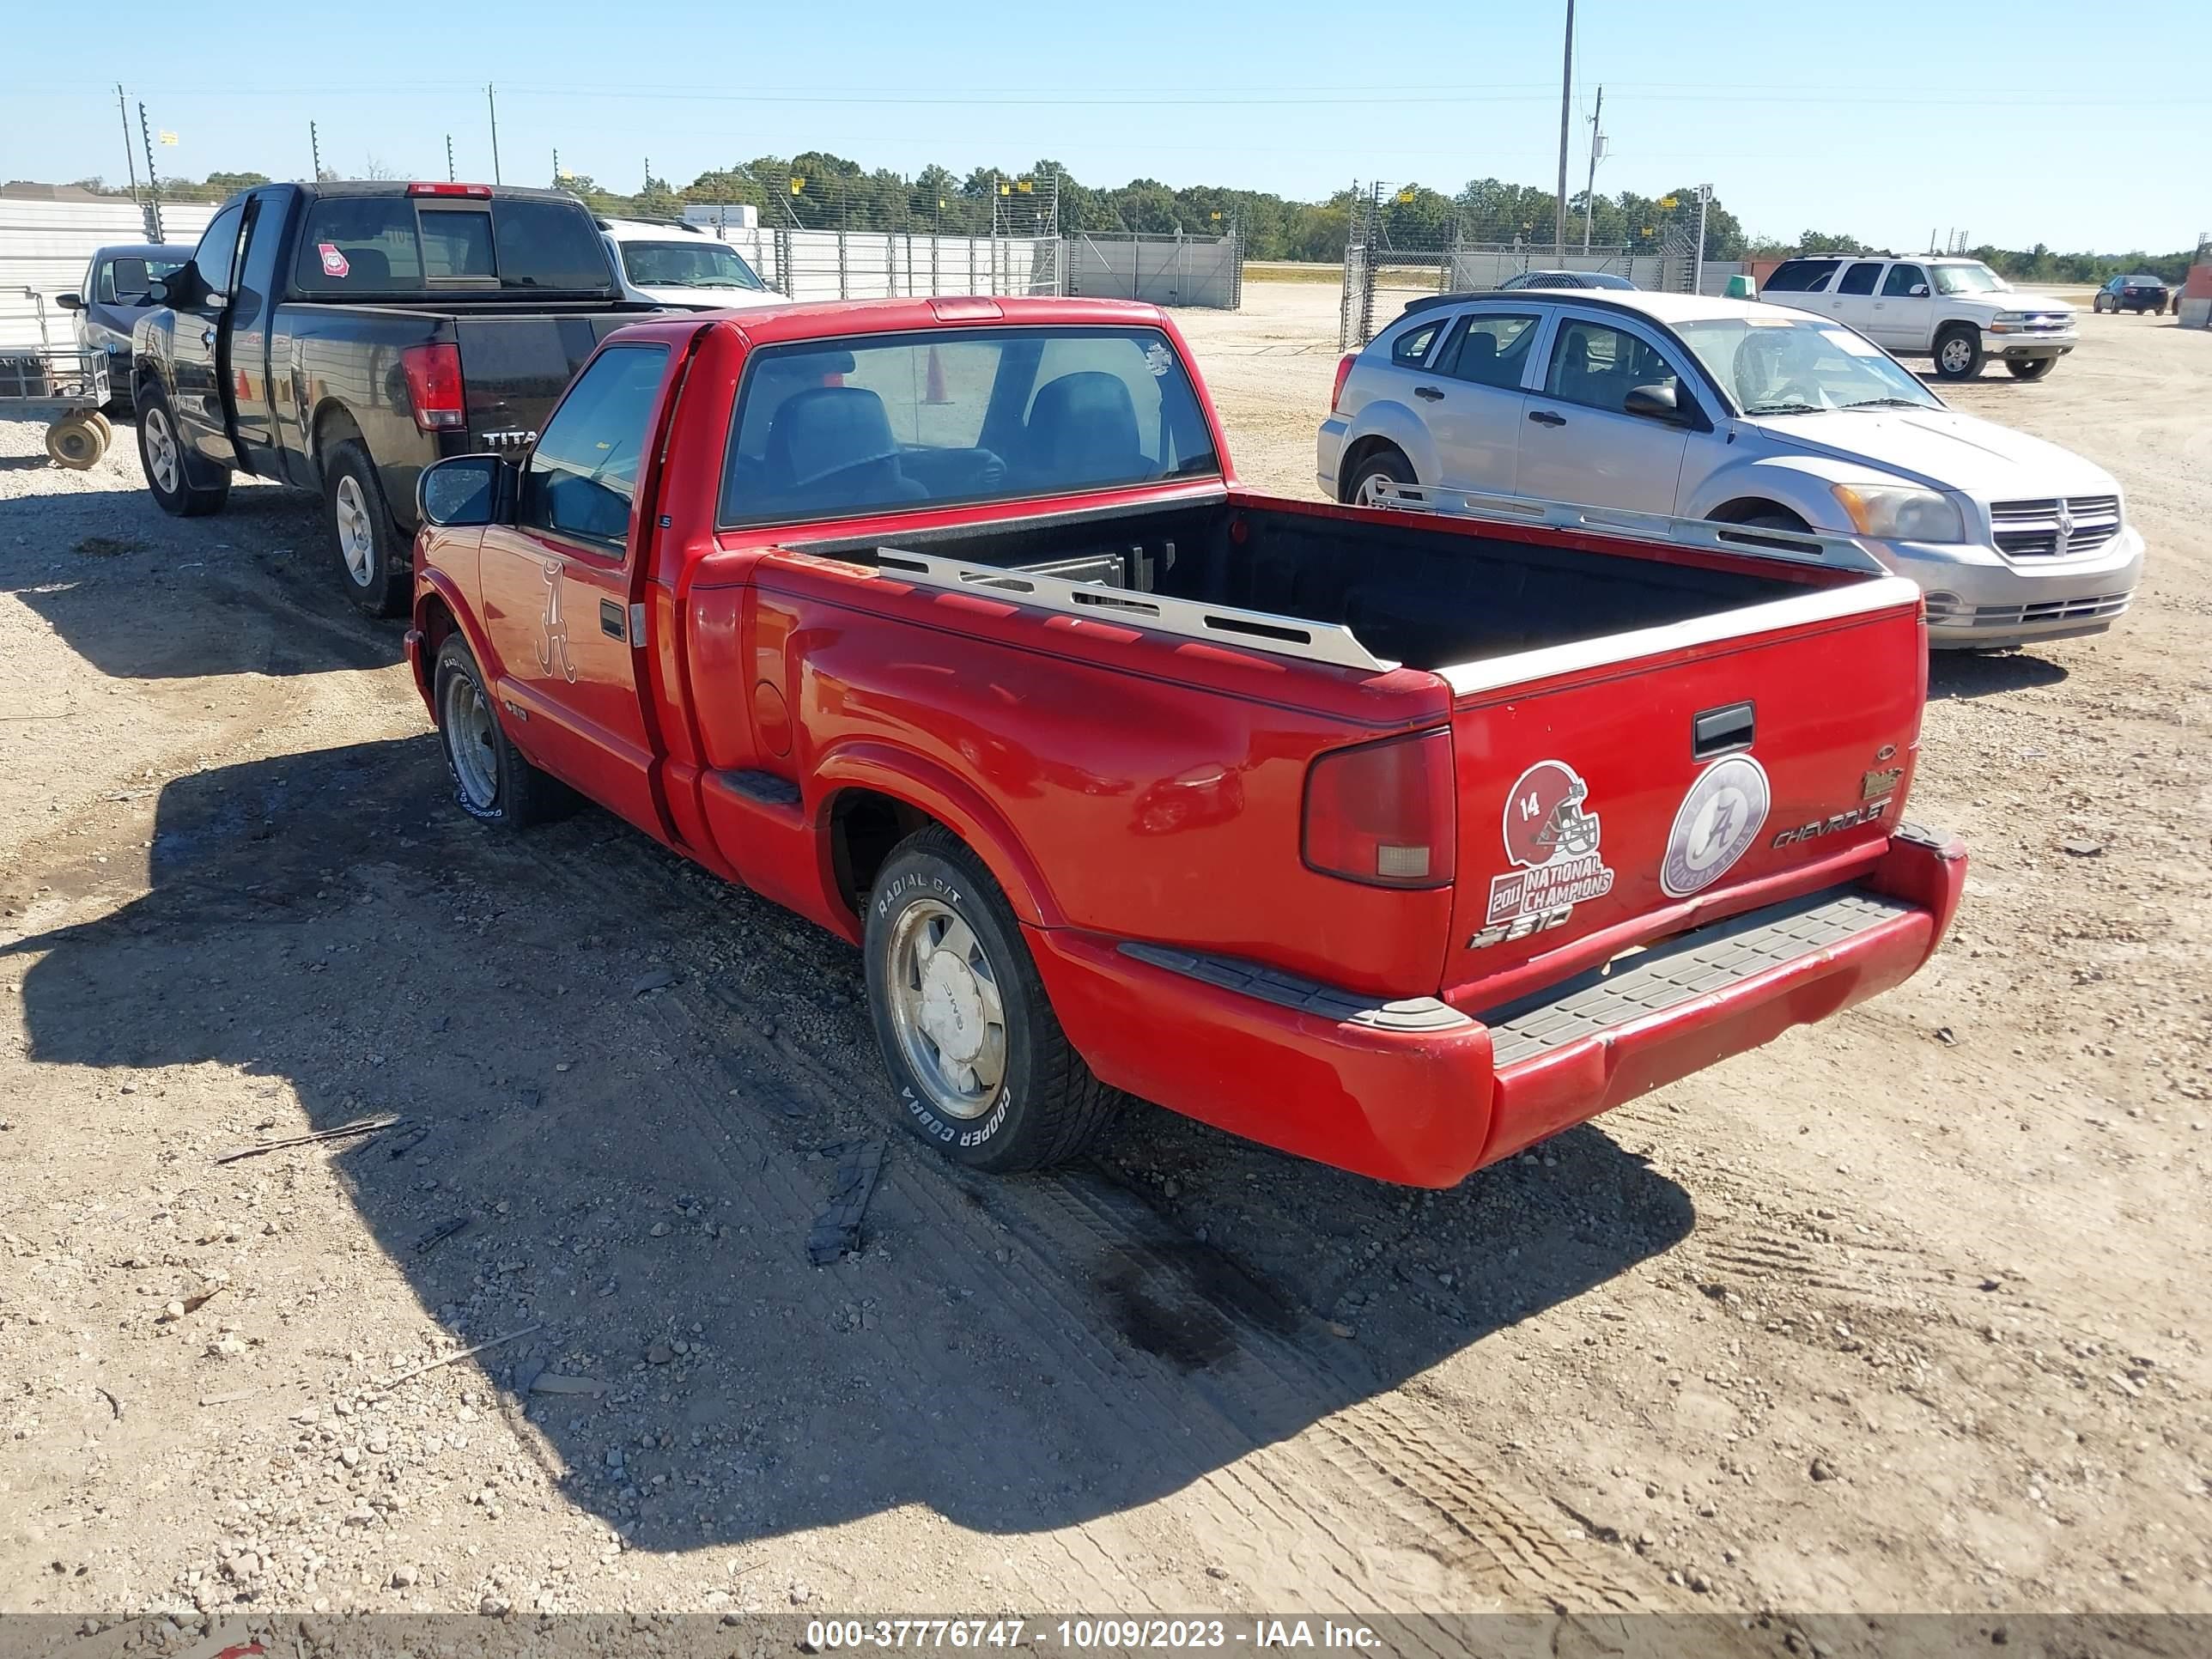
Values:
[(1902, 1312)]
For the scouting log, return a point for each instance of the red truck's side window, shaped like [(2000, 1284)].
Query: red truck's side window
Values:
[(584, 471), (973, 416)]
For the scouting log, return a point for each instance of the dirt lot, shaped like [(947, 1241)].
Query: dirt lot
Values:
[(1905, 1312)]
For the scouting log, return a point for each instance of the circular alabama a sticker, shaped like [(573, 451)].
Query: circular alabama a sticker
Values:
[(1718, 820)]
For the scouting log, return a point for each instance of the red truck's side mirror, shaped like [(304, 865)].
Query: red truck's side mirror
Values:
[(467, 489)]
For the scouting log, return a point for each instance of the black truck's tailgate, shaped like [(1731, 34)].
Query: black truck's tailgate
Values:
[(514, 368)]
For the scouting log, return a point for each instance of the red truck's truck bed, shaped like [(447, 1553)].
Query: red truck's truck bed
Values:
[(1396, 841)]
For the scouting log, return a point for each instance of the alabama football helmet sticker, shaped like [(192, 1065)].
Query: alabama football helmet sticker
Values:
[(1716, 824), (1554, 838)]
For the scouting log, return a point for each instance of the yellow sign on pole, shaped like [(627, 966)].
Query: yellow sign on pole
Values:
[(797, 185), (168, 137), (1405, 195), (1669, 203), (1026, 188)]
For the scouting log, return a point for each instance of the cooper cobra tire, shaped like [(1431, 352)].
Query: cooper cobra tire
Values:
[(982, 1070), (492, 781)]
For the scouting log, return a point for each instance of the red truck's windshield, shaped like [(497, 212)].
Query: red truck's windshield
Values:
[(827, 430)]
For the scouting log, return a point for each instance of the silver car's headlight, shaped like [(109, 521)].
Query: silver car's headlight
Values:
[(1901, 515)]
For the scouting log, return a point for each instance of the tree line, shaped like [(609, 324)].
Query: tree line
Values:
[(817, 190)]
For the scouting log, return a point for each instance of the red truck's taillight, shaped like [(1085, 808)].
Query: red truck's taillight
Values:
[(1383, 813), (1343, 373), (433, 385)]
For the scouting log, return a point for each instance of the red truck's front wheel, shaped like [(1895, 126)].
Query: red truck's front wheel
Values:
[(984, 1073), (492, 781)]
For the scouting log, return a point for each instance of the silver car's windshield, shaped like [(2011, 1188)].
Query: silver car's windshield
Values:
[(1969, 279), (1780, 367)]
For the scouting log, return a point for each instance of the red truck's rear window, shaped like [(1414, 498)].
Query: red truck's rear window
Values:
[(829, 429)]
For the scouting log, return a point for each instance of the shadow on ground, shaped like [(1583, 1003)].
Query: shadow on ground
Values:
[(1986, 673), (141, 595), (621, 1077)]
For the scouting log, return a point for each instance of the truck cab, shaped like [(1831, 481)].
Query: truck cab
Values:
[(339, 336)]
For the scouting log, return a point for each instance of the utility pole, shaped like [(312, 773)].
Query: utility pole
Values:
[(492, 103), (153, 184), (315, 149), (1698, 259), (449, 158), (1566, 111), (556, 167), (1589, 189), (130, 159)]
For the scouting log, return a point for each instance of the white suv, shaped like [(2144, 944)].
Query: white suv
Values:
[(1959, 312), (667, 262), (1746, 414)]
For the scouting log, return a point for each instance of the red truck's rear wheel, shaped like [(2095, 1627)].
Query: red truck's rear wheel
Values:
[(985, 1074)]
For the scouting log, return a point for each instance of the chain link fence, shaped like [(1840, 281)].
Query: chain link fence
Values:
[(1399, 244), (878, 238)]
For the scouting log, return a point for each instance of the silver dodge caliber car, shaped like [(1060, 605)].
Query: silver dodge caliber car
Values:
[(1747, 413)]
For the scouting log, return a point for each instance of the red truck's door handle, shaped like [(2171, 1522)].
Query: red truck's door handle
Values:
[(611, 620)]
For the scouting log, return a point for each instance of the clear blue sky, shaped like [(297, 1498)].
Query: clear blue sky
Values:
[(2018, 122)]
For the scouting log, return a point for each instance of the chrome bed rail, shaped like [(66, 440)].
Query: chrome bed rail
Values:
[(1220, 624)]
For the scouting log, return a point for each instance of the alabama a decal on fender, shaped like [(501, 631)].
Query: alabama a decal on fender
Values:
[(1716, 824), (1554, 839)]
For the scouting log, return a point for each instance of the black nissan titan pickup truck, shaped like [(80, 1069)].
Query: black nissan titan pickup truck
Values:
[(343, 336)]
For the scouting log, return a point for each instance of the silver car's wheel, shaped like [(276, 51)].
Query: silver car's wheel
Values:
[(161, 460), (356, 534), (471, 741), (947, 1011)]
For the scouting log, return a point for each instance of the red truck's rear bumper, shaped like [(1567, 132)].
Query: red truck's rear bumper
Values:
[(1412, 1092)]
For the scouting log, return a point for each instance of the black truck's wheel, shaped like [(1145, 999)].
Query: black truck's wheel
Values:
[(492, 781), (168, 468), (1959, 353), (377, 564), (984, 1071), (2030, 368)]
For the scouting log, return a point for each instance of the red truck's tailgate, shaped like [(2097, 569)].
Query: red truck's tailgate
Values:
[(1675, 775)]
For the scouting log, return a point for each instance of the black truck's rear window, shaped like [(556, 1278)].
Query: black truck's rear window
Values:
[(363, 245)]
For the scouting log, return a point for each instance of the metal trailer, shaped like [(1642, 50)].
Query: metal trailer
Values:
[(65, 386)]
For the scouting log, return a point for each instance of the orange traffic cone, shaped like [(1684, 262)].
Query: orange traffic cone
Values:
[(932, 389)]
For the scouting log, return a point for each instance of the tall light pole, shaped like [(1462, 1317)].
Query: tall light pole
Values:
[(1566, 98), (492, 104), (1597, 150)]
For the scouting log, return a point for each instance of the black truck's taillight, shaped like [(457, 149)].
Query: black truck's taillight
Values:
[(1384, 813), (433, 385)]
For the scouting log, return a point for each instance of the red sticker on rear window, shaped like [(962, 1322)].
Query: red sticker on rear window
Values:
[(334, 260)]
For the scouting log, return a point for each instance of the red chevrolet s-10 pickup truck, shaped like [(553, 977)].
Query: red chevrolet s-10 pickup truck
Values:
[(1397, 839)]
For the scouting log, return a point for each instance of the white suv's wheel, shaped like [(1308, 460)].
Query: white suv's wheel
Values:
[(1958, 352)]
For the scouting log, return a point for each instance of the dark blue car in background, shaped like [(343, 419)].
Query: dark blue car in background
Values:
[(120, 283)]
